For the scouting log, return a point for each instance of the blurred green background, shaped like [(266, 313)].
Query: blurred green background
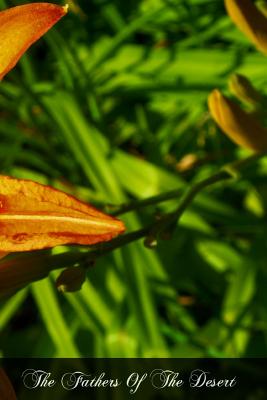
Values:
[(111, 106)]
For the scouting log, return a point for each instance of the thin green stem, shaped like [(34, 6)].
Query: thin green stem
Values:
[(198, 187), (116, 243), (227, 172), (157, 226), (153, 200)]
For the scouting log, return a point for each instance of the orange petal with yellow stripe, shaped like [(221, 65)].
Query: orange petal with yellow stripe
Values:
[(21, 26), (34, 216)]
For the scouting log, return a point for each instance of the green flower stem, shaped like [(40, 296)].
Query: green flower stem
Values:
[(229, 171), (139, 204), (104, 248)]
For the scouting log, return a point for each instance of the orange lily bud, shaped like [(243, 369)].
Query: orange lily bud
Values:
[(241, 127), (21, 26), (6, 389), (241, 87), (250, 21), (34, 216)]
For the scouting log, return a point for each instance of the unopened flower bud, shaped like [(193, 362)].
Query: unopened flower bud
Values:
[(241, 127), (241, 87), (250, 21), (71, 279), (188, 162), (150, 242)]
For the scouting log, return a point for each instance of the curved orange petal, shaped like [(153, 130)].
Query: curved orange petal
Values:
[(250, 21), (21, 26), (34, 216)]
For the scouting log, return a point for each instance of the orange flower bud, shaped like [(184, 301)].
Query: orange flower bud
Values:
[(241, 127), (21, 26), (34, 216), (250, 21)]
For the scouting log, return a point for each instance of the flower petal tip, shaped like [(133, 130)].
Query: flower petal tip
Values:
[(23, 25)]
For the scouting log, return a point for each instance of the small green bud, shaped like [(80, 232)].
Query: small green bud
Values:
[(150, 242), (71, 279)]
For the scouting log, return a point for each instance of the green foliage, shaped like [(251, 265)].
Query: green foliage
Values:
[(106, 107)]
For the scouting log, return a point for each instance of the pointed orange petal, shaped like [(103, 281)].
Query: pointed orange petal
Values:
[(21, 26), (34, 216)]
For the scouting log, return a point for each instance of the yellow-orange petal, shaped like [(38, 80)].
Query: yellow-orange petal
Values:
[(241, 127), (243, 89), (21, 26), (34, 216), (250, 21)]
